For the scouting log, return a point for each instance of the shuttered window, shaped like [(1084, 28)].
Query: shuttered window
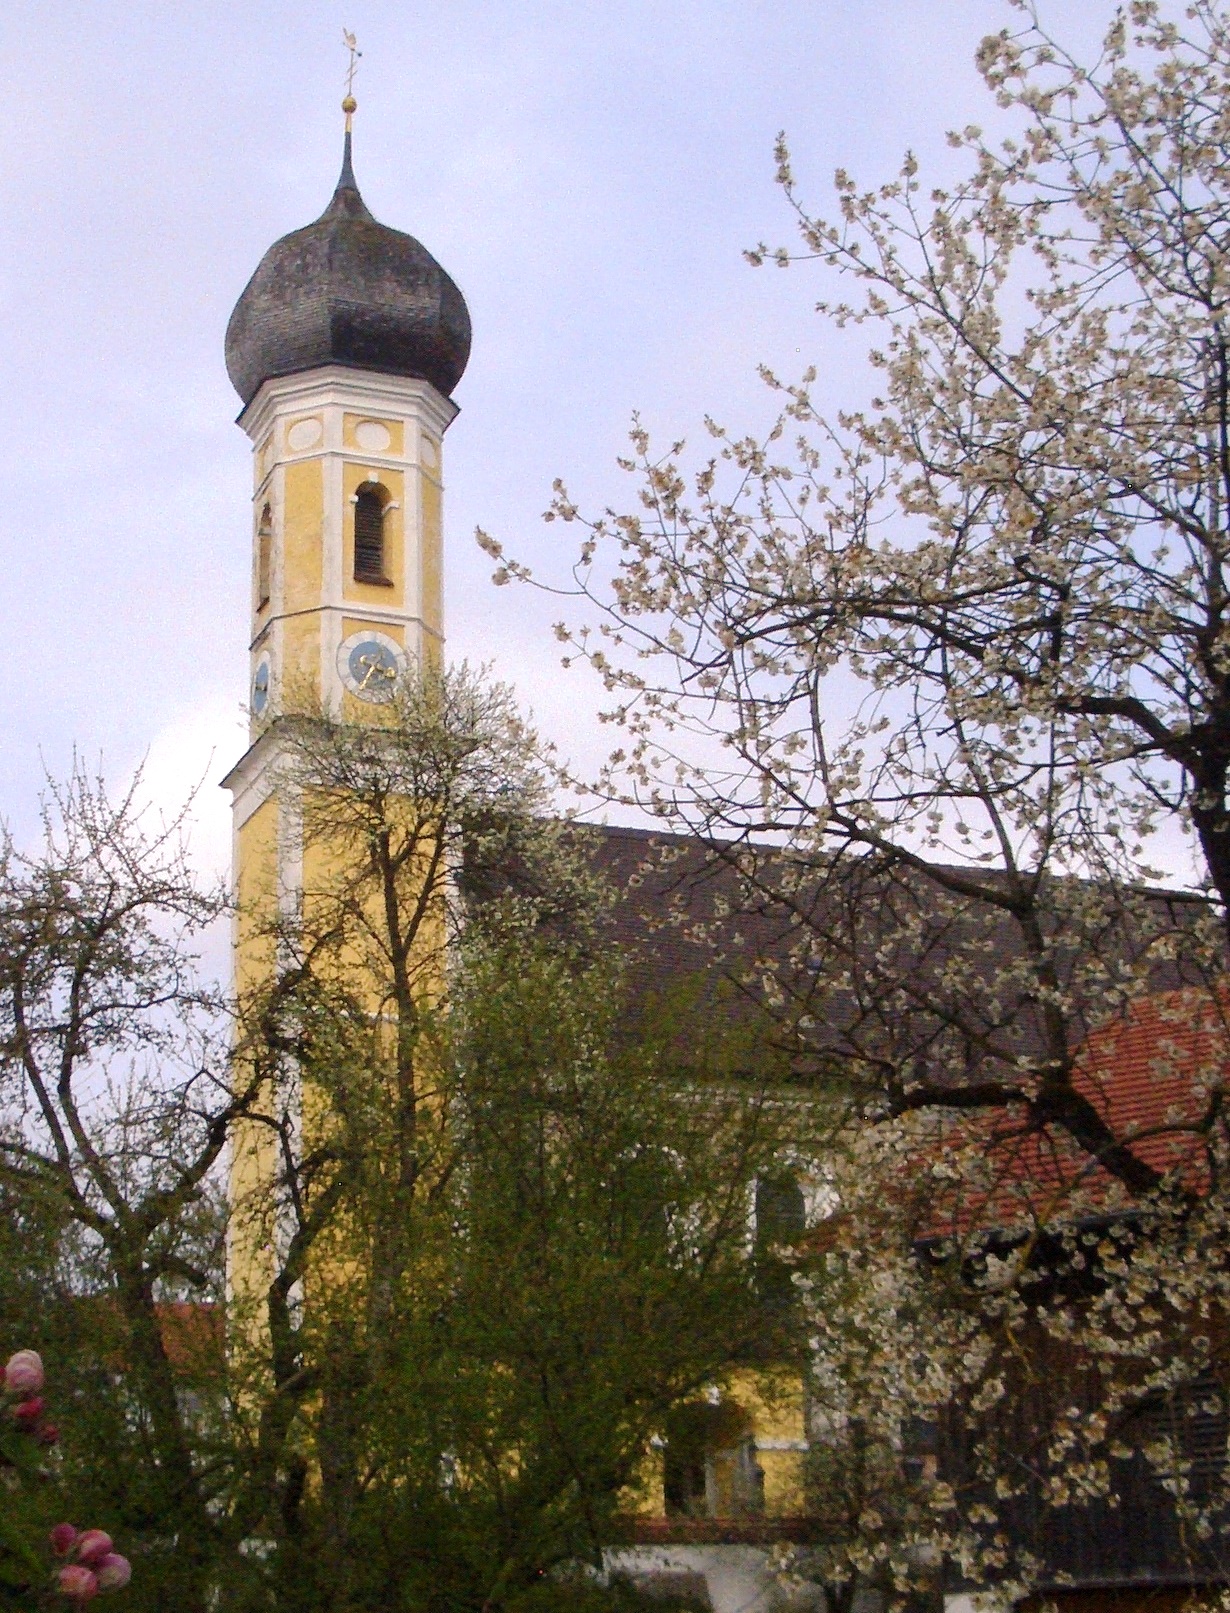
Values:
[(369, 536), (264, 558), (781, 1222)]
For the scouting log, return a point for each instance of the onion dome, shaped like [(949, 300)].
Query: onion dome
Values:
[(348, 290)]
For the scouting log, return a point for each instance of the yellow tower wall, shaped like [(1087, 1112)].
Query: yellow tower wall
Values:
[(253, 1157), (317, 439)]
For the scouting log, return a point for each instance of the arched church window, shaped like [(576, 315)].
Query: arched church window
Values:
[(781, 1222), (369, 515), (264, 557), (781, 1210), (709, 1466)]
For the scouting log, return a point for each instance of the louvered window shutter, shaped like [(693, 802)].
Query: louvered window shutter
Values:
[(369, 537)]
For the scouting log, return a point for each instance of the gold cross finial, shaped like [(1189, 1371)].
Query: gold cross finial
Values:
[(349, 103)]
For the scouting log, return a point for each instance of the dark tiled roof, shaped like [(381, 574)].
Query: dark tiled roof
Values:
[(677, 916), (871, 963), (348, 290)]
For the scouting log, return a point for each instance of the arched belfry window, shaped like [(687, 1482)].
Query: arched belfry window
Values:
[(370, 505), (781, 1223), (264, 557)]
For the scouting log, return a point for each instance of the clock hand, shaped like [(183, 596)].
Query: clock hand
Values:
[(376, 666)]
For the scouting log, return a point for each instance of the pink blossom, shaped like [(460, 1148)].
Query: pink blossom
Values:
[(78, 1582), (48, 1434), (63, 1538), (28, 1411), (113, 1572), (23, 1373), (93, 1546)]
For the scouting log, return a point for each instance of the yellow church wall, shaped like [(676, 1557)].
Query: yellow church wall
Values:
[(393, 630), (331, 883), (253, 1155), (262, 609), (302, 534), (774, 1417), (256, 892), (326, 874), (330, 870), (301, 661), (775, 1406)]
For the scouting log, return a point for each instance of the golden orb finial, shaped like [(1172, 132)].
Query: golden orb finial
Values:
[(349, 104)]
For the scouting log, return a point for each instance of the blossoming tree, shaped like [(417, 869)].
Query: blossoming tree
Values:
[(927, 676)]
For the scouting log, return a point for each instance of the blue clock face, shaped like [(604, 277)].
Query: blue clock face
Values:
[(260, 689), (370, 665)]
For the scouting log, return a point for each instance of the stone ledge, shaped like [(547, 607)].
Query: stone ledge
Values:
[(713, 1531)]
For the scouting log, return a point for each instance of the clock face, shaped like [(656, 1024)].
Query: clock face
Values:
[(260, 687), (369, 664)]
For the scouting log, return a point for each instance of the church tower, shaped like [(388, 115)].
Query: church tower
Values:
[(344, 347)]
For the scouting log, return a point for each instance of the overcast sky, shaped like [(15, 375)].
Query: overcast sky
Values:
[(588, 174)]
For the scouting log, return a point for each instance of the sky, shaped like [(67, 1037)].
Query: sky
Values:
[(588, 174)]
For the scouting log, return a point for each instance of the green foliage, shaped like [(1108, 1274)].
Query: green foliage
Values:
[(505, 1231), (25, 1516), (583, 1268)]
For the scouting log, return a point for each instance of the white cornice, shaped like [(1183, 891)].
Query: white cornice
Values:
[(390, 615), (365, 391), (251, 780)]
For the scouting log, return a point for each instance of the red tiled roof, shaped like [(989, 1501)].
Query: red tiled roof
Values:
[(1150, 1076), (193, 1334)]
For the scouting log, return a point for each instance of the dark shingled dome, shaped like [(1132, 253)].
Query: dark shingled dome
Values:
[(348, 290)]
